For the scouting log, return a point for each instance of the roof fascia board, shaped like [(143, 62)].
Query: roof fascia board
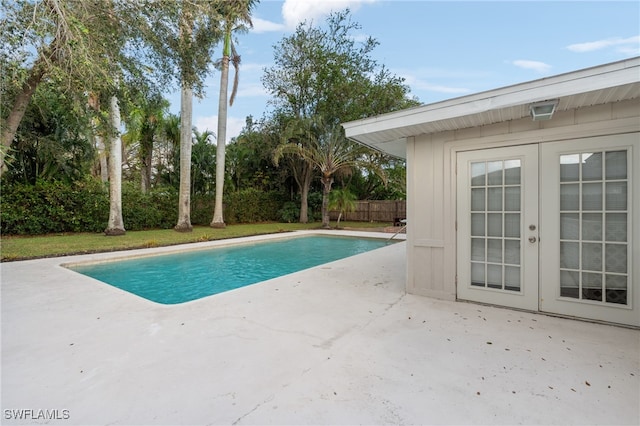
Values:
[(582, 81)]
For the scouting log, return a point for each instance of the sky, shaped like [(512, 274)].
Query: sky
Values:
[(443, 49)]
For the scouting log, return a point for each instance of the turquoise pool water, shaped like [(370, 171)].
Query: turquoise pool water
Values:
[(181, 277)]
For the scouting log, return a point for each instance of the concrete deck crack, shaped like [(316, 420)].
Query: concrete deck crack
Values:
[(239, 419)]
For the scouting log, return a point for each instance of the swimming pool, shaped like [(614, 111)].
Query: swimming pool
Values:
[(181, 277)]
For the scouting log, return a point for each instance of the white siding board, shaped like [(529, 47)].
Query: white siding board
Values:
[(594, 113), (625, 109), (560, 119), (495, 129)]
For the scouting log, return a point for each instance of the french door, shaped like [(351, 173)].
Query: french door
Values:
[(589, 208), (497, 221), (550, 227)]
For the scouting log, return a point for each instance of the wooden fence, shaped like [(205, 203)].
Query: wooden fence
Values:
[(375, 211)]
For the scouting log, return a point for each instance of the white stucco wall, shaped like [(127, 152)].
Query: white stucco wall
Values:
[(431, 181)]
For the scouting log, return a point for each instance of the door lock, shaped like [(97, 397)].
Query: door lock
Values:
[(532, 239)]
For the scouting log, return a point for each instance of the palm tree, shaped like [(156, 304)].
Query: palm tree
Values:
[(236, 15), (331, 153), (343, 201), (144, 125), (168, 150), (299, 134), (203, 161)]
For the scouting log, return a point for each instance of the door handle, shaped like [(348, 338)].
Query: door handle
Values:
[(532, 239)]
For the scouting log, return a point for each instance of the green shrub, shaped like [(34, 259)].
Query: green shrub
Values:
[(290, 212), (155, 209), (165, 199), (89, 206), (252, 205), (51, 206), (314, 202), (201, 209)]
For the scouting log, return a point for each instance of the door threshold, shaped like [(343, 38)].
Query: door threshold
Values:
[(551, 314)]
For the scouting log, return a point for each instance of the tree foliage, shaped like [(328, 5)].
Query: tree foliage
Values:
[(324, 71), (78, 46), (65, 61), (321, 77), (343, 201)]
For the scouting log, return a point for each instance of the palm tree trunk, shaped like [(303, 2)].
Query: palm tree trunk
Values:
[(218, 219), (327, 181), (145, 175), (115, 225), (146, 146), (184, 202)]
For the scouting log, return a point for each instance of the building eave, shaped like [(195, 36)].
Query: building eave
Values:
[(591, 86)]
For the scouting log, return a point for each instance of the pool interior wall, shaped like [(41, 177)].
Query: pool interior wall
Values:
[(189, 275)]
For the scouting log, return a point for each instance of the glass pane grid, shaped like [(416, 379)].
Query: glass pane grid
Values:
[(496, 202), (594, 252)]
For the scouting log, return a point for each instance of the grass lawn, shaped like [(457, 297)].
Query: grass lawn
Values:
[(21, 248)]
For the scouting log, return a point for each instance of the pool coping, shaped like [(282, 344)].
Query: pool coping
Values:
[(115, 256)]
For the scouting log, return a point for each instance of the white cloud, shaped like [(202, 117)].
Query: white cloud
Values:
[(629, 50), (264, 26), (418, 84), (297, 11), (252, 66), (234, 125), (624, 45), (537, 66), (251, 90)]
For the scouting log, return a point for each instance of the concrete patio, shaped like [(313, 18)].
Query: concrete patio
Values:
[(337, 344)]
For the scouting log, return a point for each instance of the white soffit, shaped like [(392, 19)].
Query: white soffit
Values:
[(592, 86)]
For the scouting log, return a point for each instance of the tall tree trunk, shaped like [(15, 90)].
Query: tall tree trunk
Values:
[(10, 126), (116, 224), (184, 202), (304, 193), (102, 158), (218, 219), (145, 177), (146, 146), (327, 181)]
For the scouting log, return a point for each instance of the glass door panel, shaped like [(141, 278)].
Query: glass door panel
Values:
[(492, 209), (589, 199), (493, 195), (593, 198)]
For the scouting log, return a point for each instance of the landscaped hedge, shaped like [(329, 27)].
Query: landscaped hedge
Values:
[(50, 207), (156, 209), (252, 205), (245, 206)]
